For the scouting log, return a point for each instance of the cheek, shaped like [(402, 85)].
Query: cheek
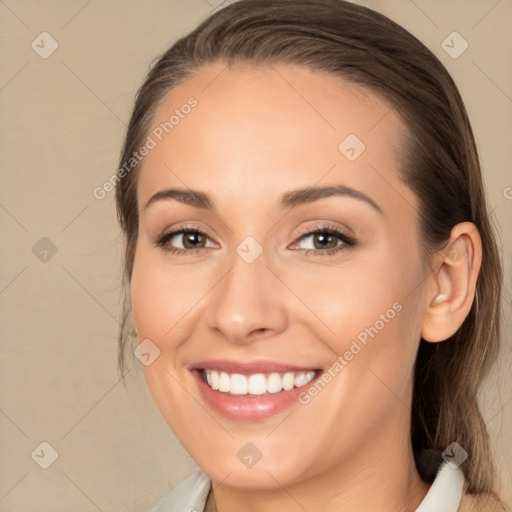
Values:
[(375, 315), (365, 302), (148, 301), (161, 297)]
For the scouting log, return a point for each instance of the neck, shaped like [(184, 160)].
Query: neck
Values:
[(381, 475)]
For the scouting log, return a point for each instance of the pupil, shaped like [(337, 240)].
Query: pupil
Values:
[(189, 238), (325, 238)]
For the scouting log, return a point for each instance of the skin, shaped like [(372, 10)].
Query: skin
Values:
[(257, 133)]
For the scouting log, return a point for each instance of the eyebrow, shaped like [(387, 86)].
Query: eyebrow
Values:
[(290, 199)]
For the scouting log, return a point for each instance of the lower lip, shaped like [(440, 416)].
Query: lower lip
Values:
[(248, 407)]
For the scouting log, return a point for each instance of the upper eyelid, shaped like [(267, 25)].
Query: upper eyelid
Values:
[(325, 227)]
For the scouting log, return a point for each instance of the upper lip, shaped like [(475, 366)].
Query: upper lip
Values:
[(248, 368)]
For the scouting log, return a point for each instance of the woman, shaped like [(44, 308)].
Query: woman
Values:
[(313, 274)]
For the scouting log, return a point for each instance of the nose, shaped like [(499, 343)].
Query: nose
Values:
[(248, 303)]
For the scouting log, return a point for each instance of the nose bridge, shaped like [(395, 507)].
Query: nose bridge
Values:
[(241, 303)]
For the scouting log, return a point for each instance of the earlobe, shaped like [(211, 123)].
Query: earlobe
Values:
[(454, 283)]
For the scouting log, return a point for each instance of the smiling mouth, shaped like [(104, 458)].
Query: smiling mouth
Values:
[(256, 384)]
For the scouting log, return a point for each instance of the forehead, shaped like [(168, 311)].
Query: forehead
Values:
[(275, 124)]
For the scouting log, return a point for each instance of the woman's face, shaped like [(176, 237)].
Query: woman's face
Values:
[(273, 285)]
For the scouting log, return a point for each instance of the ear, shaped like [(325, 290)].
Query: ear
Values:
[(451, 287)]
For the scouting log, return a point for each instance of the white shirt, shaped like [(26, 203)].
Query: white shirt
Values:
[(190, 495)]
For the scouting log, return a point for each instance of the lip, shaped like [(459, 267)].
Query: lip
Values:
[(248, 408)]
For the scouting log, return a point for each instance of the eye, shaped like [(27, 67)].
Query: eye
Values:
[(323, 240), (190, 239), (326, 240)]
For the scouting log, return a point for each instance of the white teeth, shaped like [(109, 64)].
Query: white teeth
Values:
[(239, 384), (224, 383), (288, 381), (215, 379), (299, 379), (256, 384), (308, 376), (274, 383)]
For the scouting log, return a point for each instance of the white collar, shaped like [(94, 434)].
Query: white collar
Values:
[(445, 493), (191, 494)]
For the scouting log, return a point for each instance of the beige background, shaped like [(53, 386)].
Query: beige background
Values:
[(63, 119)]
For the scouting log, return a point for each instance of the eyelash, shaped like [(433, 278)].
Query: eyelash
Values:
[(347, 241)]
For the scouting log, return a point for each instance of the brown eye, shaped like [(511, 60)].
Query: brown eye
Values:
[(189, 239), (325, 240), (192, 240)]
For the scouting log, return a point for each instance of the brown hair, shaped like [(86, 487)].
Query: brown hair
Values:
[(439, 162)]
